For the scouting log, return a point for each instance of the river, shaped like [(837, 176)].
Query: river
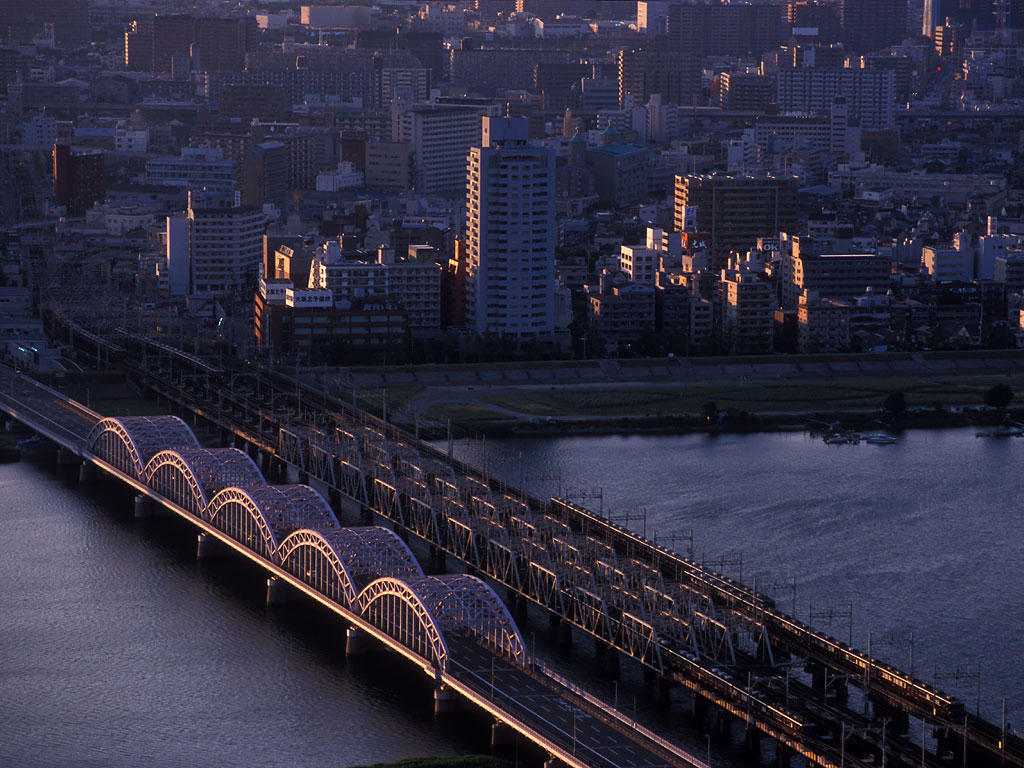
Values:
[(118, 649), (925, 536)]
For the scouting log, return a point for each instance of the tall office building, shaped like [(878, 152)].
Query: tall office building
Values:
[(510, 233)]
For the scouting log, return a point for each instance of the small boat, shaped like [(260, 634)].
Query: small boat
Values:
[(837, 439), (1002, 431), (881, 439)]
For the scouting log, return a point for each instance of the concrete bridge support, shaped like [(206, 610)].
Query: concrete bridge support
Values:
[(899, 721), (204, 546), (277, 591), (438, 557), (698, 707), (662, 692), (752, 743), (86, 473), (446, 700), (563, 634), (357, 642), (143, 506), (723, 725), (783, 756), (502, 735), (65, 457)]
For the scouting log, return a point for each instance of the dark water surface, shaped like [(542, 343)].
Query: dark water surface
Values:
[(925, 536), (118, 649)]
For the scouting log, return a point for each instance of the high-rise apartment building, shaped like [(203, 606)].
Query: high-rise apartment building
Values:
[(643, 73), (734, 211), (216, 44), (439, 136), (217, 244), (870, 94), (510, 233), (733, 29)]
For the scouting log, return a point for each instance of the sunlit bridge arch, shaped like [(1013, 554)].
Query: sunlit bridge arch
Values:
[(394, 606), (468, 605), (191, 476), (129, 442), (262, 517), (454, 604), (340, 562)]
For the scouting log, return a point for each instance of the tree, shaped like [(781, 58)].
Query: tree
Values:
[(895, 403), (999, 396)]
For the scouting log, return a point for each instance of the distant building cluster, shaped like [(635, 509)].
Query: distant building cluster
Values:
[(484, 179)]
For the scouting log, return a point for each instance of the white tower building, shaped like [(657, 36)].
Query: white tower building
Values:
[(510, 233)]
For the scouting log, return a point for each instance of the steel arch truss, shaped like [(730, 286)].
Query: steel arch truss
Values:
[(420, 611), (129, 442), (339, 562), (189, 476), (394, 606), (260, 517)]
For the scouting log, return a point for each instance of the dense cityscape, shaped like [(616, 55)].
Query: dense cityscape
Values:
[(422, 182), (263, 264)]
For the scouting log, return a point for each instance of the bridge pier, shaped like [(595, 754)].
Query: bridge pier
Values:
[(86, 473), (65, 456), (446, 700), (357, 642), (277, 591), (204, 546), (291, 474), (563, 634), (610, 656), (723, 725), (899, 721), (438, 559), (752, 743), (502, 735), (698, 707), (143, 506), (663, 692), (783, 755)]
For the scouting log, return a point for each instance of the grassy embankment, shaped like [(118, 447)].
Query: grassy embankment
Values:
[(770, 404)]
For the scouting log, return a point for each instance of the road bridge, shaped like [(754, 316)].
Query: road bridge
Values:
[(452, 626)]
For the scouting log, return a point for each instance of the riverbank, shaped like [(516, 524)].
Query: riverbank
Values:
[(734, 423), (695, 406)]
